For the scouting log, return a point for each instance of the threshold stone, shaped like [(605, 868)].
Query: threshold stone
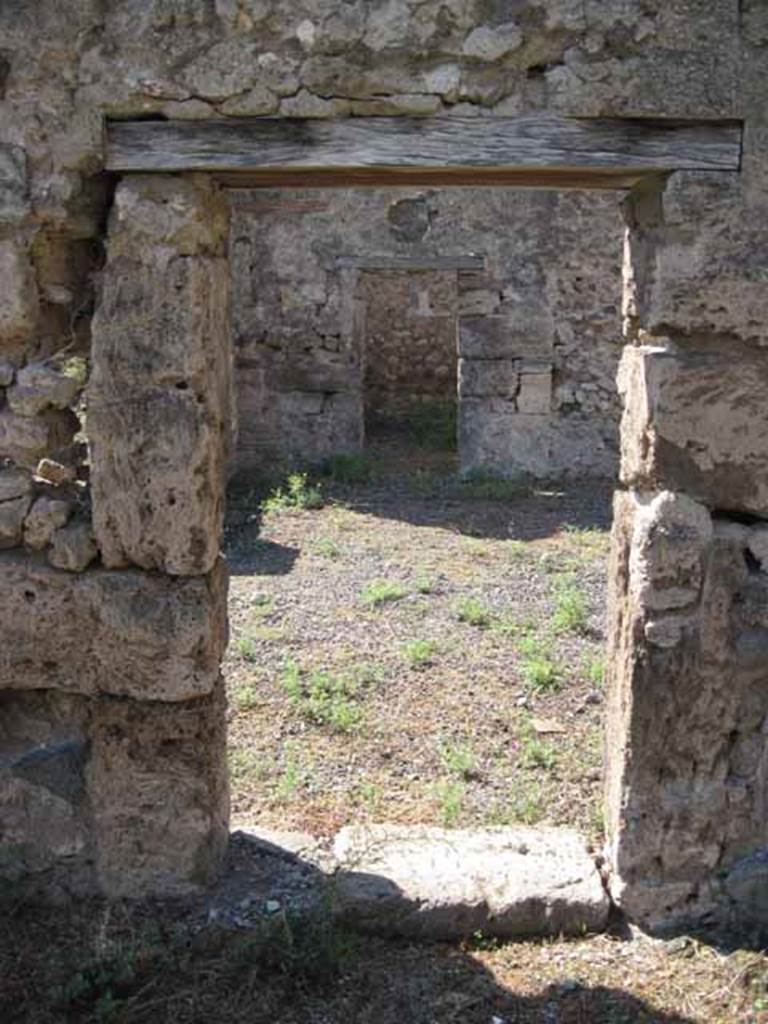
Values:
[(439, 883)]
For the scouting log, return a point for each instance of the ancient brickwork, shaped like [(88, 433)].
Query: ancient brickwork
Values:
[(115, 780), (536, 328)]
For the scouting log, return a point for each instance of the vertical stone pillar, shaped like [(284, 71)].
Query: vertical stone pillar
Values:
[(159, 427), (687, 717)]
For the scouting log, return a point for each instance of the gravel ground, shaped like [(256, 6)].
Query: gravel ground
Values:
[(461, 698)]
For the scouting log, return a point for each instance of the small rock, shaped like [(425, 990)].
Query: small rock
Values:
[(55, 472), (45, 517), (272, 906), (39, 387), (12, 515), (680, 946), (14, 483), (7, 373), (73, 547)]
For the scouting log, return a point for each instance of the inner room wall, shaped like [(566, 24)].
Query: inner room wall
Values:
[(539, 326)]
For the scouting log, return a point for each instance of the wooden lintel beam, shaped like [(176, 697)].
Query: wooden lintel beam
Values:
[(543, 151)]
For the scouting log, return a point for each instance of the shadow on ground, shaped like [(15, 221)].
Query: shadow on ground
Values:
[(520, 515)]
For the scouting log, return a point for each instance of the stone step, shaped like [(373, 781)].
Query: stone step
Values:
[(440, 884)]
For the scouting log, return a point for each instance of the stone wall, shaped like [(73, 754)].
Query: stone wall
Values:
[(118, 767), (536, 326)]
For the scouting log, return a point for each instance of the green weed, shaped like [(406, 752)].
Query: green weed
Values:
[(537, 665), (419, 653), (535, 752), (458, 759), (350, 469), (570, 615), (327, 548), (485, 486), (245, 697), (450, 795), (324, 697), (245, 764), (247, 648), (298, 494), (382, 592), (473, 612)]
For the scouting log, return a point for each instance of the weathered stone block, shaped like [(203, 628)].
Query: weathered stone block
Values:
[(14, 483), (693, 420), (505, 337), (18, 293), (487, 377), (685, 750), (535, 392), (158, 788), (26, 439), (14, 204), (494, 437), (60, 631), (73, 547), (47, 844), (40, 387), (12, 515), (45, 517), (429, 882), (159, 402)]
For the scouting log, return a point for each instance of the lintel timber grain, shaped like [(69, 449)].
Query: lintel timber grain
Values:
[(533, 150)]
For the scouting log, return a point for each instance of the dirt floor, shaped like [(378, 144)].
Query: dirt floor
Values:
[(418, 650)]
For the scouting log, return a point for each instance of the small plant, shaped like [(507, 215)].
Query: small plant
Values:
[(262, 605), (424, 585), (594, 670), (458, 759), (537, 665), (324, 698), (350, 469), (245, 764), (484, 486), (473, 612), (535, 752), (527, 806), (370, 795), (382, 592), (292, 777), (298, 494), (245, 697), (517, 550), (419, 653), (450, 794), (570, 615), (247, 648), (327, 548)]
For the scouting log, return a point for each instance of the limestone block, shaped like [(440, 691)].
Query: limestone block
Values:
[(159, 405), (258, 100), (694, 250), (14, 203), (73, 547), (415, 104), (154, 219), (40, 387), (26, 439), (535, 393), (18, 293), (307, 104), (494, 437), (430, 882), (12, 515), (492, 377), (7, 373), (685, 750), (693, 421), (14, 483), (158, 788), (45, 516), (44, 819), (489, 44), (504, 337), (60, 630)]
